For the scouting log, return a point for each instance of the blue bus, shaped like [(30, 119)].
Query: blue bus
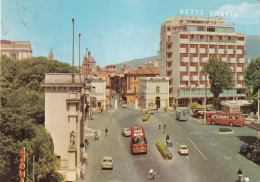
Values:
[(182, 115)]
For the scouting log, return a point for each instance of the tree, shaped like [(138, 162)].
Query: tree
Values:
[(22, 117), (252, 80), (220, 76)]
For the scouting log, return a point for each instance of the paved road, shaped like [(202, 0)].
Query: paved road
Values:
[(212, 156)]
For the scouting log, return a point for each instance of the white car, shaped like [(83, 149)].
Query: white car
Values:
[(107, 162), (126, 132), (183, 150), (124, 105)]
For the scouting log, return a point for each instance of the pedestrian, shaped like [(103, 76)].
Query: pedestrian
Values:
[(246, 178), (95, 134), (167, 138), (86, 142), (164, 128), (159, 125), (106, 130)]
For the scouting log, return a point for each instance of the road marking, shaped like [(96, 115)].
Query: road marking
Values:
[(212, 143), (197, 149), (177, 143), (187, 157), (121, 145)]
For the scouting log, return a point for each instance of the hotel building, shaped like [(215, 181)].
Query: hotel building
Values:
[(186, 44)]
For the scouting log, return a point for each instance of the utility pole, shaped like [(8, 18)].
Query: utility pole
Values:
[(33, 166)]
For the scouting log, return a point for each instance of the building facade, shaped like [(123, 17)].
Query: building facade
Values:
[(16, 50), (154, 91), (98, 90), (131, 89), (187, 43), (67, 108)]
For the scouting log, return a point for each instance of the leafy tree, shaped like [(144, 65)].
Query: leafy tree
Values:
[(220, 76), (22, 117), (252, 80), (194, 105)]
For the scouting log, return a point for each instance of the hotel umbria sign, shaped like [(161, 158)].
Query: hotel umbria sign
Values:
[(197, 12), (22, 165)]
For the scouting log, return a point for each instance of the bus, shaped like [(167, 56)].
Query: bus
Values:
[(138, 140), (230, 119), (182, 115)]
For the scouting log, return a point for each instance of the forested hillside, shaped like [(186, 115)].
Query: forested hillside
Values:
[(22, 118)]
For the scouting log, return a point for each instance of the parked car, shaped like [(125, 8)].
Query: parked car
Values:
[(244, 148), (183, 150), (151, 111), (152, 108), (126, 132), (107, 162)]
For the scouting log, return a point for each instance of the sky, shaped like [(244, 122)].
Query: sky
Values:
[(113, 30)]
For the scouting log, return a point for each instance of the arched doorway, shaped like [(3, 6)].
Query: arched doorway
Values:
[(93, 102), (158, 102)]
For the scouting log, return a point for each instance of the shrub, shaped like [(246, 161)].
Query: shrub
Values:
[(163, 150), (194, 105), (151, 104), (224, 129), (146, 117)]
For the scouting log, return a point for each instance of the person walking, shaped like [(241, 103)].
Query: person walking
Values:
[(159, 124), (246, 178), (164, 128), (167, 138), (106, 130)]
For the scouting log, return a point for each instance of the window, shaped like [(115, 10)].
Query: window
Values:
[(13, 56), (134, 89), (157, 89), (211, 29), (93, 90), (134, 77)]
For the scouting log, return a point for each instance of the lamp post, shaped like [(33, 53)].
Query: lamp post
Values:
[(79, 51), (205, 98), (73, 42), (258, 113)]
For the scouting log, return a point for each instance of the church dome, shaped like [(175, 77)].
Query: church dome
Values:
[(90, 59)]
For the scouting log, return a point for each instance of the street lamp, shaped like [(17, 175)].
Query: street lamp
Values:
[(73, 42), (73, 49), (258, 113), (79, 52)]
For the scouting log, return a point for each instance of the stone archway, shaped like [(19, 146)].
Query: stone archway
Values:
[(158, 102)]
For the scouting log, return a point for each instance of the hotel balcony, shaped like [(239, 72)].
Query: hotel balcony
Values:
[(169, 42), (202, 50), (185, 59), (169, 60), (232, 60), (169, 50), (182, 50), (240, 51), (194, 59), (230, 51), (211, 50), (221, 51)]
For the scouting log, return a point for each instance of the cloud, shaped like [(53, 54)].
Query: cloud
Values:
[(247, 13)]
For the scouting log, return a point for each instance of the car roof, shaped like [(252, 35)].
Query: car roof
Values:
[(107, 157), (183, 145), (126, 128)]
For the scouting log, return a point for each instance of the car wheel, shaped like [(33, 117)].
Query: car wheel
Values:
[(212, 122), (231, 124)]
